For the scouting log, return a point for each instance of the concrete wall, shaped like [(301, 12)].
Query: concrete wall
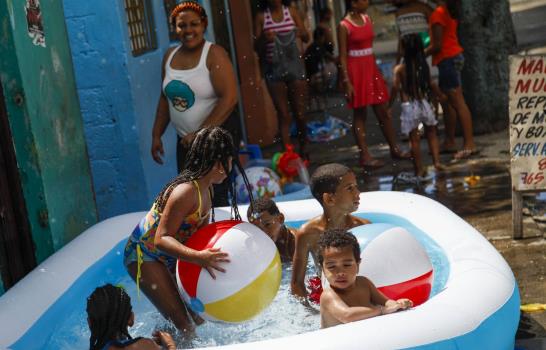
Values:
[(45, 122), (118, 95), (99, 53)]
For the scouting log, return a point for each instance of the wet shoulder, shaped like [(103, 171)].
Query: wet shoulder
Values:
[(185, 192), (313, 227)]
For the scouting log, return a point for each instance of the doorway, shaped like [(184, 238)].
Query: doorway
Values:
[(16, 246)]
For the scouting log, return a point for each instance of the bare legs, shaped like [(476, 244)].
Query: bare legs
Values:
[(359, 130), (433, 144), (450, 122), (293, 94), (450, 117), (456, 99), (160, 288)]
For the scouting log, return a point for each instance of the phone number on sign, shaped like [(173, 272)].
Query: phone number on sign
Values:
[(537, 177)]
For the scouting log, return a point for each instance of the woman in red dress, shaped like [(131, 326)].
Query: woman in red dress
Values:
[(364, 85)]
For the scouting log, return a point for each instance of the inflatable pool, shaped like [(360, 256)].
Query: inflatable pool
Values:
[(474, 302)]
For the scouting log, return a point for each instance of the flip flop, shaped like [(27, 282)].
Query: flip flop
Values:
[(465, 153)]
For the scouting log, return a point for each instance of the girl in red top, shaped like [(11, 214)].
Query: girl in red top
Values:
[(447, 54), (363, 82)]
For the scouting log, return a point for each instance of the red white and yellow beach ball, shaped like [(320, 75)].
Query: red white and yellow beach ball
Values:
[(252, 276)]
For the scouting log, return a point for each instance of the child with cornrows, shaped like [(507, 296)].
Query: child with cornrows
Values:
[(180, 210), (109, 314)]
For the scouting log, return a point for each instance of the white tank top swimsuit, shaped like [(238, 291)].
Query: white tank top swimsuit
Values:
[(190, 93)]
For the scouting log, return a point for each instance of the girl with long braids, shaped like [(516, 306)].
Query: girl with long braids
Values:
[(412, 80), (109, 314), (182, 208)]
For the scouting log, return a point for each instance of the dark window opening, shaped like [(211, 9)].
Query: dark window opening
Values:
[(141, 25)]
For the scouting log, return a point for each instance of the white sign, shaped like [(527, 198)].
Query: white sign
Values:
[(528, 122)]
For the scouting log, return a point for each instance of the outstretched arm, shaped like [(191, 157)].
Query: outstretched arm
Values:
[(181, 203), (333, 305), (391, 306)]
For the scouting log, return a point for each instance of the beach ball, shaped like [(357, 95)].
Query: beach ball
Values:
[(395, 262), (252, 276), (264, 182)]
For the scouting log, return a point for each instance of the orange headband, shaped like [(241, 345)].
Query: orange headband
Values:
[(188, 6)]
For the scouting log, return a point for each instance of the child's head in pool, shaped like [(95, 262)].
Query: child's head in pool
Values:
[(334, 185), (266, 215), (109, 314), (339, 255), (211, 150)]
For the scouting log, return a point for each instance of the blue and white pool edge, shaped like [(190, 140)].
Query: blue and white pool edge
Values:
[(470, 324)]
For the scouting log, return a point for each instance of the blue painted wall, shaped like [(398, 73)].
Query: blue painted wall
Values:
[(118, 96)]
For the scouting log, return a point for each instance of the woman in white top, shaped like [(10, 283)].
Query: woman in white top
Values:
[(199, 88)]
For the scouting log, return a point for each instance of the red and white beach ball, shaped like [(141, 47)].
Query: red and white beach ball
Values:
[(252, 276), (395, 262)]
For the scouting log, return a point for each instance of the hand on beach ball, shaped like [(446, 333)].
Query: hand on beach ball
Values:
[(395, 262), (251, 279)]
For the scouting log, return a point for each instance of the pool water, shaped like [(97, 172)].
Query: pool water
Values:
[(64, 325)]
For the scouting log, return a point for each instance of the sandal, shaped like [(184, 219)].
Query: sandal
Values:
[(465, 153)]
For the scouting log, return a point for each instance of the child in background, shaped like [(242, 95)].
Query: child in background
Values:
[(109, 314), (334, 186), (266, 215), (350, 297), (412, 80)]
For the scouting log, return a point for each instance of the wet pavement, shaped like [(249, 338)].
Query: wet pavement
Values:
[(477, 189)]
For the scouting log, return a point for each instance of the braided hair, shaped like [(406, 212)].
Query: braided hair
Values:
[(188, 6), (108, 309), (417, 82), (210, 145)]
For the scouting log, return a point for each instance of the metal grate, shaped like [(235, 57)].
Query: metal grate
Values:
[(169, 5), (140, 20)]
